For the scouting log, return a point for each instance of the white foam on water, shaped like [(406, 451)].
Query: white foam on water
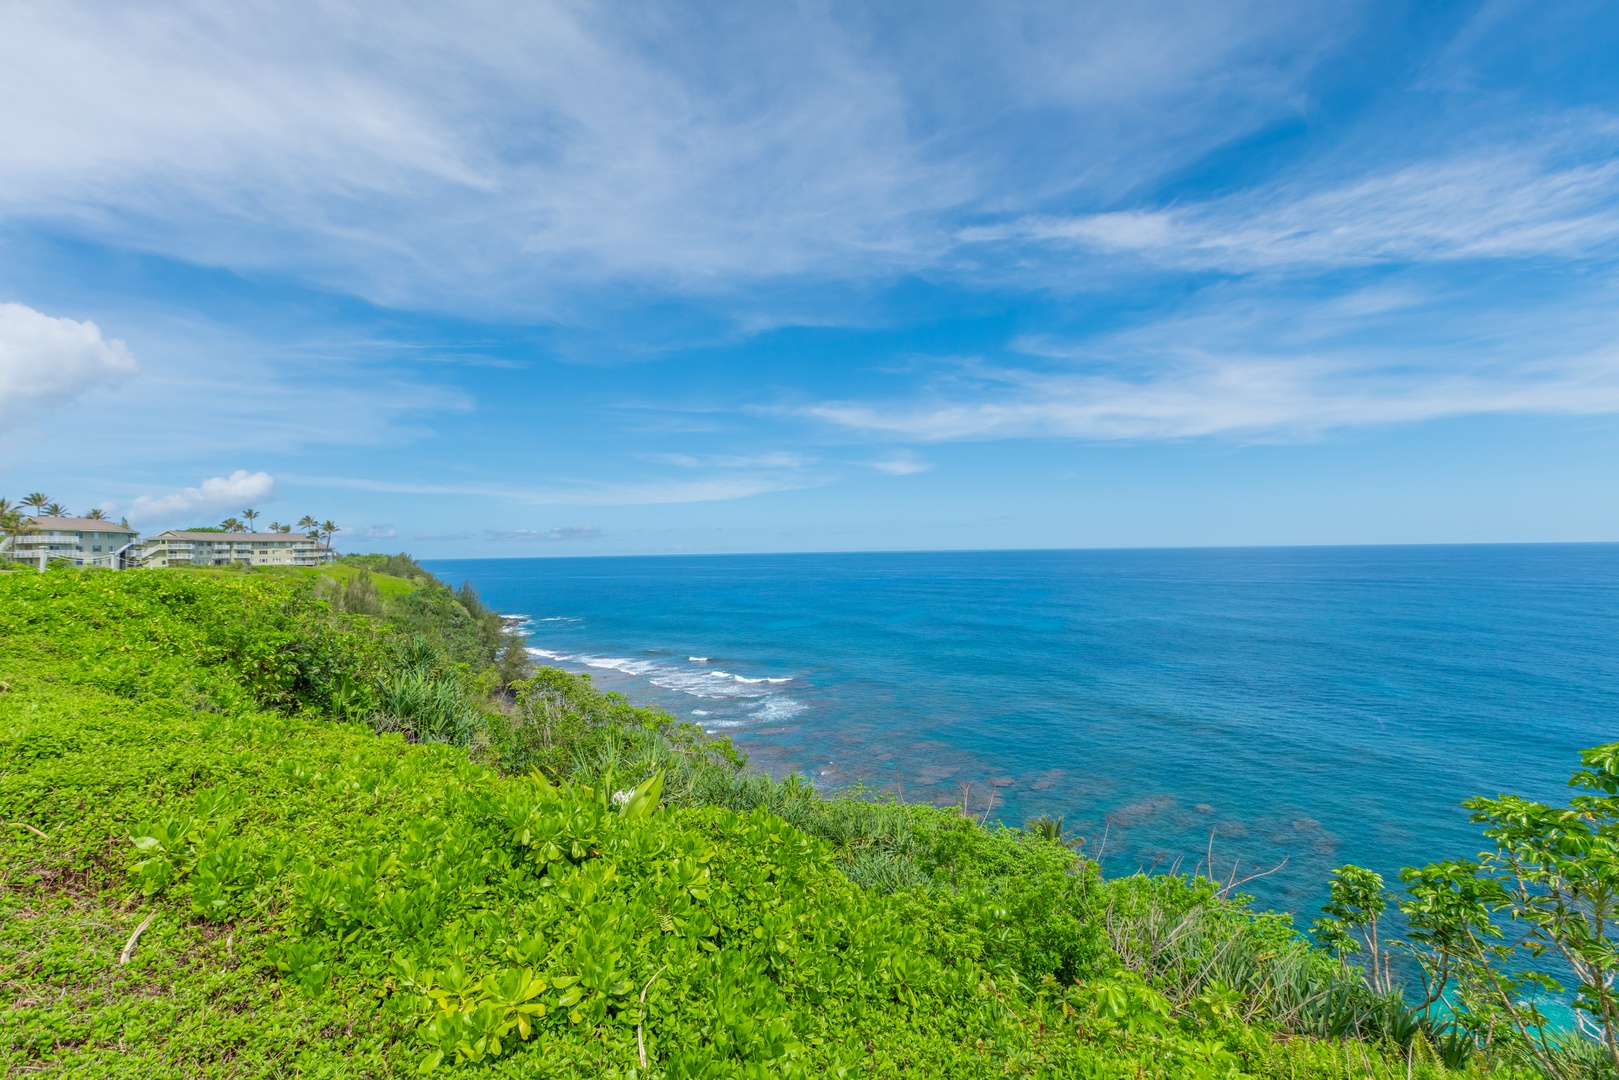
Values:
[(704, 684), (778, 708), (619, 663), (698, 659), (714, 684)]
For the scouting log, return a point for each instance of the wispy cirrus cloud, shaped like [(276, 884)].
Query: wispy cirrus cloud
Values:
[(778, 459), (637, 493), (469, 157), (1507, 203), (903, 463), (1229, 396), (1249, 363)]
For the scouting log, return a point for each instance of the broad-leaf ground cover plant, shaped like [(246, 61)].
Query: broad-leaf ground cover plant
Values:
[(249, 832)]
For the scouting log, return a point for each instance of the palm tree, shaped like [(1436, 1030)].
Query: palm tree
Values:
[(250, 514), (309, 525), (329, 527), (56, 509), (230, 524), (97, 514), (38, 500)]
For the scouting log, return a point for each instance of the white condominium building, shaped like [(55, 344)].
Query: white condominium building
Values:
[(176, 548), (81, 541)]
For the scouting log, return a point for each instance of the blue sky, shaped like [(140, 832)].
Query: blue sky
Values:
[(517, 279)]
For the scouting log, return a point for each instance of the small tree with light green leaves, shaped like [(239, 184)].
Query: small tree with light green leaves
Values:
[(1479, 930)]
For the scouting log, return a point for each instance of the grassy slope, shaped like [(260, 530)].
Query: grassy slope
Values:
[(304, 877)]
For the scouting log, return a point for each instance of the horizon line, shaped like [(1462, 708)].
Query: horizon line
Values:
[(1017, 550)]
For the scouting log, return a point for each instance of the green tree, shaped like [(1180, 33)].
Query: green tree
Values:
[(13, 522), (1356, 906), (38, 500), (514, 664), (310, 525), (96, 514), (232, 524), (1479, 928), (55, 509), (329, 528), (251, 515)]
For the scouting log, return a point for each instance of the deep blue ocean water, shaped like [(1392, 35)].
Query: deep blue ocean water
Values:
[(1312, 705)]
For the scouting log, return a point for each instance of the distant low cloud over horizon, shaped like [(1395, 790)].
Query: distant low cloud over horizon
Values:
[(563, 532), (782, 277)]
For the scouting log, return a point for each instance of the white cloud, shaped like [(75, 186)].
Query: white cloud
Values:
[(639, 493), (1232, 395), (218, 494), (495, 152), (1509, 204), (777, 459), (1250, 361), (904, 463), (46, 362), (378, 532)]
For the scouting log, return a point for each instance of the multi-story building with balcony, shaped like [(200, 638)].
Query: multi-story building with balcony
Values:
[(182, 548), (80, 541)]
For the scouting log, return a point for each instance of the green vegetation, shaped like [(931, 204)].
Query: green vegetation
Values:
[(290, 823)]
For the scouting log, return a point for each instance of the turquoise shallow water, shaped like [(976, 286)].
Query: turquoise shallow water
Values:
[(1318, 705)]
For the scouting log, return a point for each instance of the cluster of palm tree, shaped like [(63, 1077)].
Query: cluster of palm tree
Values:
[(14, 517), (45, 506), (315, 530)]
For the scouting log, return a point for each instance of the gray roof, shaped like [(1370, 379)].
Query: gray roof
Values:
[(79, 524), (233, 537)]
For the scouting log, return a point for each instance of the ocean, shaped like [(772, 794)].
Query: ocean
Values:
[(1288, 710)]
